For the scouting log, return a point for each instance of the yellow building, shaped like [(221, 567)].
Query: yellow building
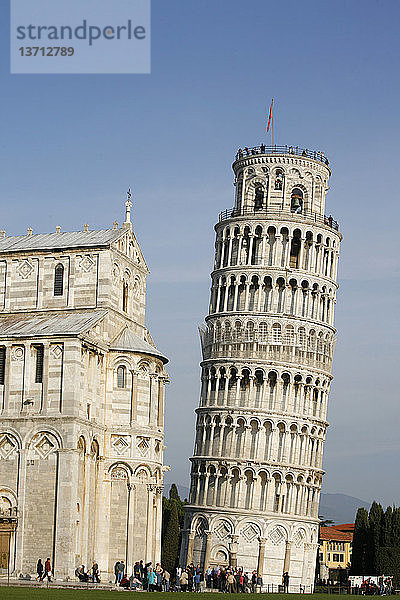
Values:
[(335, 547)]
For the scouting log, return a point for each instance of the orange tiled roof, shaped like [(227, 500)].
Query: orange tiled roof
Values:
[(345, 527), (333, 534)]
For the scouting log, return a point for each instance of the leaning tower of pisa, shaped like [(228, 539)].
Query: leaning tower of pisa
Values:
[(267, 350)]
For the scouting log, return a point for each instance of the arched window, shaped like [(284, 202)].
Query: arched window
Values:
[(296, 202), (278, 179), (258, 197), (125, 297), (276, 333), (59, 280), (121, 377)]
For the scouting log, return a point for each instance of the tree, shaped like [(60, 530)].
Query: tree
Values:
[(387, 528), (170, 547), (376, 516), (396, 527), (170, 531), (359, 563)]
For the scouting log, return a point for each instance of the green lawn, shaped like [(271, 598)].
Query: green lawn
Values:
[(24, 593)]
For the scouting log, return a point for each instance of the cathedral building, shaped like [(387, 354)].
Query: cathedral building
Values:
[(81, 403), (267, 349)]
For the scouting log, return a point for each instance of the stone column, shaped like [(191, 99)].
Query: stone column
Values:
[(205, 493), (103, 525), (150, 529), (251, 244), (189, 555), (233, 550), (221, 438), (262, 262), (7, 373), (239, 248), (130, 547), (160, 411), (197, 491), (207, 552), (66, 510), (237, 398), (216, 307), (223, 252), (230, 250), (261, 555), (246, 297), (301, 253), (286, 562), (270, 500), (134, 391), (236, 295)]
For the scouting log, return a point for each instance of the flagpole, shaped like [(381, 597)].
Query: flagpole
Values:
[(273, 132)]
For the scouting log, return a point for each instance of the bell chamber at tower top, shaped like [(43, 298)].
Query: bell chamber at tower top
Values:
[(281, 181)]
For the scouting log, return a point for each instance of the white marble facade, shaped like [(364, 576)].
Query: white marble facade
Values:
[(81, 401), (267, 347)]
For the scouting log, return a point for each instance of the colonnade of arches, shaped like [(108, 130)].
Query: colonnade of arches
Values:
[(273, 391), (255, 489), (265, 294), (275, 246), (259, 188), (232, 338), (259, 440)]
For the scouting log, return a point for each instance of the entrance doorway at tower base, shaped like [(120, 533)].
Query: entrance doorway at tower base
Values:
[(6, 538)]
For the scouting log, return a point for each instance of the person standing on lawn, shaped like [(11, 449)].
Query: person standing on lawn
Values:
[(47, 569), (39, 570), (116, 570), (121, 571), (95, 572)]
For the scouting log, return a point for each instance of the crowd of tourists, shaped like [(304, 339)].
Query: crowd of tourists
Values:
[(384, 586), (189, 579), (192, 578)]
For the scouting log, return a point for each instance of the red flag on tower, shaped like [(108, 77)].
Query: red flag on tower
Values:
[(270, 115)]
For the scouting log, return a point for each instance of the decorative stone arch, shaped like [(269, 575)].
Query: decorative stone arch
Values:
[(249, 529), (8, 500), (43, 437), (299, 536), (157, 473), (10, 444), (277, 533), (143, 468), (199, 525), (220, 555), (83, 442), (94, 449), (144, 366), (222, 528), (120, 471)]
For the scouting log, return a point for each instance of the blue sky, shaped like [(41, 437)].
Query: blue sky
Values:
[(71, 145)]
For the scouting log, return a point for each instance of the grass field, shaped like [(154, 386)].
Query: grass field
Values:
[(24, 593)]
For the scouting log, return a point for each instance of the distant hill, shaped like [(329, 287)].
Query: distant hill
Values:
[(337, 507), (340, 508)]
